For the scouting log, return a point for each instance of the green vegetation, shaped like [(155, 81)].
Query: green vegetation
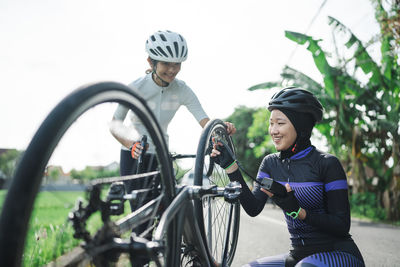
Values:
[(246, 139), (365, 205), (8, 161), (49, 234)]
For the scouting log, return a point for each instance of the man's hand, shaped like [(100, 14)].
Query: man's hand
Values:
[(230, 128)]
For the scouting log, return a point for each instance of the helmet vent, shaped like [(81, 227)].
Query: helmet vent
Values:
[(170, 51), (154, 52), (301, 101), (162, 51), (183, 50), (163, 37), (153, 38), (288, 94), (176, 48)]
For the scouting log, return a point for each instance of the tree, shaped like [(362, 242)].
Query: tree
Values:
[(8, 162), (246, 139), (55, 174), (260, 140), (361, 119), (389, 21)]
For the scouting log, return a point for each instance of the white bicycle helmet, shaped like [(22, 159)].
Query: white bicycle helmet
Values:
[(167, 46)]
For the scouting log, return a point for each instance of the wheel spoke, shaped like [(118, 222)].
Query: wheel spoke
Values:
[(214, 212)]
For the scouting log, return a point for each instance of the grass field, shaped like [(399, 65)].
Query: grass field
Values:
[(49, 233)]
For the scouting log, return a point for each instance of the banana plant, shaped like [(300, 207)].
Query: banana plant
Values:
[(361, 119)]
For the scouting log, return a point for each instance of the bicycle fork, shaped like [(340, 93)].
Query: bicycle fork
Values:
[(182, 207)]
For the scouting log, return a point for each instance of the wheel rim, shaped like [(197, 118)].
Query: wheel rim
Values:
[(213, 212)]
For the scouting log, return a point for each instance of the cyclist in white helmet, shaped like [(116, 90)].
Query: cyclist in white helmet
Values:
[(164, 95)]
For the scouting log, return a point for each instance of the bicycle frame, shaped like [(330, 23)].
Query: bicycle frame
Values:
[(180, 211), (106, 245)]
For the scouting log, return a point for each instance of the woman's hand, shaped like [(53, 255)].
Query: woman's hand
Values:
[(222, 157), (288, 204), (270, 194)]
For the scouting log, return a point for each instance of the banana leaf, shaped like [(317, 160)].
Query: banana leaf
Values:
[(319, 57), (267, 85), (361, 56)]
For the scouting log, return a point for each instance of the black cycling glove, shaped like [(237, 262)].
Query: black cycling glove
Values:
[(289, 204), (225, 159)]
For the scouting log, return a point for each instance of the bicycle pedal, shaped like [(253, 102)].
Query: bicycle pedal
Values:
[(115, 198), (232, 192)]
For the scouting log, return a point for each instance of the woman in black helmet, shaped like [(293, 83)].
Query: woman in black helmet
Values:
[(316, 205)]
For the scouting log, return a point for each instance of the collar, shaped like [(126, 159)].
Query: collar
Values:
[(302, 153), (299, 145)]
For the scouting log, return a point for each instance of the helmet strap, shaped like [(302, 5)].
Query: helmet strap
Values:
[(156, 76), (164, 83)]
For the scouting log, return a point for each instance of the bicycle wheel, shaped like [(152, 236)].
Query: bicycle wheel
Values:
[(19, 202), (213, 213)]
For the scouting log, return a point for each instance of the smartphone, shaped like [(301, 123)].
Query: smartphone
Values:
[(274, 187)]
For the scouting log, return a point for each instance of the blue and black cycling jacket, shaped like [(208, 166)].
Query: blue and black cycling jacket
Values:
[(320, 186)]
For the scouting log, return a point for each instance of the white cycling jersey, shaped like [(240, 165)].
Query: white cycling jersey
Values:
[(164, 102)]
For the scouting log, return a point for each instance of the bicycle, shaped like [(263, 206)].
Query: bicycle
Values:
[(179, 218)]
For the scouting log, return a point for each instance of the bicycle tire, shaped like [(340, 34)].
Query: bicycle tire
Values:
[(207, 209), (26, 182)]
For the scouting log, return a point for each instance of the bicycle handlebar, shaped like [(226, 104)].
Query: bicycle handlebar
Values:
[(143, 143), (230, 193)]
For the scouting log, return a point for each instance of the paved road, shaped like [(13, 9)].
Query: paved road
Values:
[(267, 234)]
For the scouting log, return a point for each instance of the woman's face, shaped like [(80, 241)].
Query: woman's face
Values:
[(281, 130), (167, 71)]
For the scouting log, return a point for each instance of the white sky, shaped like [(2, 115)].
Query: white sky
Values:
[(49, 48)]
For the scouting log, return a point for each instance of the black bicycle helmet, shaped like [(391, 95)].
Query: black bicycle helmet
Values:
[(297, 99)]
